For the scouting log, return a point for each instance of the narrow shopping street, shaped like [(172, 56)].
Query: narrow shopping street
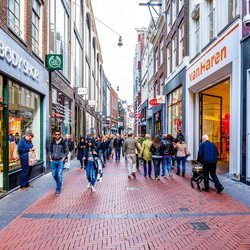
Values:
[(126, 214)]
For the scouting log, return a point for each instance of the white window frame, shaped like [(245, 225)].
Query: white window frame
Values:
[(37, 27), (161, 51), (168, 60), (174, 49), (174, 10), (181, 43), (156, 59), (168, 21), (180, 5)]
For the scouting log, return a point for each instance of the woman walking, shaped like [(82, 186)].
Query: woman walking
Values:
[(181, 154), (157, 152), (147, 156), (80, 151)]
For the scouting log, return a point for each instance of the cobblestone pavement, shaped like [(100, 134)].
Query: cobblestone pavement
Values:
[(128, 214)]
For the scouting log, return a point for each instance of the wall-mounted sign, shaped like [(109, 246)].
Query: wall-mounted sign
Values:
[(134, 115), (54, 62), (91, 102), (82, 91), (153, 102), (161, 99)]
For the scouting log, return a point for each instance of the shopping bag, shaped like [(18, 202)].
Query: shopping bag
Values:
[(32, 158)]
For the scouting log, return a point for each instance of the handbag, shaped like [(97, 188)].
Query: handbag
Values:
[(187, 153), (32, 158)]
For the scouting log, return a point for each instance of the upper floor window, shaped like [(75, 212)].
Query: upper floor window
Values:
[(168, 60), (174, 45), (181, 42), (173, 11), (197, 35), (156, 60), (78, 10), (87, 36), (161, 51), (211, 19), (15, 16), (180, 4), (168, 21), (36, 27)]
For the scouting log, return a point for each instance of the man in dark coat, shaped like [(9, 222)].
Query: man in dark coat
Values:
[(208, 156)]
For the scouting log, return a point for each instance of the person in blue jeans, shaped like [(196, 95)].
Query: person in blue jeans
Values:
[(91, 168), (117, 144), (181, 155), (58, 152)]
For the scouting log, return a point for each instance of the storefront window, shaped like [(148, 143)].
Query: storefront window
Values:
[(1, 89), (61, 112), (175, 111), (24, 115)]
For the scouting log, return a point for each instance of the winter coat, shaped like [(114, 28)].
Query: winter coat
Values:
[(146, 154), (23, 149), (129, 146), (87, 153), (207, 153), (182, 149), (60, 150), (156, 152), (117, 143), (168, 148), (71, 145), (80, 150)]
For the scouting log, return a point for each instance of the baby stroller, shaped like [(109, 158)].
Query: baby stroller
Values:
[(198, 176)]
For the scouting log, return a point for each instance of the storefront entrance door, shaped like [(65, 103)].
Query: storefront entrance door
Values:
[(1, 147), (211, 117)]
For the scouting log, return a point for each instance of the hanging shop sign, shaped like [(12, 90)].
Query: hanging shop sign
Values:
[(82, 91), (91, 102), (54, 62), (153, 102), (161, 99), (134, 115)]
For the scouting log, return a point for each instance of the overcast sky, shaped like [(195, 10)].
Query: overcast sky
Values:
[(123, 16)]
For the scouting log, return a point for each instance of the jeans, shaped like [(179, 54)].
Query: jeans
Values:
[(149, 168), (166, 163), (57, 173), (117, 153), (91, 172), (181, 161), (26, 172), (210, 168), (157, 166)]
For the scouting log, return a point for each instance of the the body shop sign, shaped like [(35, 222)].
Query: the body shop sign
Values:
[(54, 62), (17, 63)]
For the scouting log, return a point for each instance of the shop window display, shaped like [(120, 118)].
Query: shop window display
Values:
[(24, 115), (175, 111), (61, 112), (1, 125)]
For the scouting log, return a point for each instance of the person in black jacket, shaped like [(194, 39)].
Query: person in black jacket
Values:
[(80, 151), (117, 144), (58, 153), (91, 169), (208, 156), (157, 152)]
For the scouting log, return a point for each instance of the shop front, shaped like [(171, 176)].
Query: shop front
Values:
[(213, 102), (23, 94)]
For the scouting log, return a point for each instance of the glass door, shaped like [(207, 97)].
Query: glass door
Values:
[(211, 117), (1, 147)]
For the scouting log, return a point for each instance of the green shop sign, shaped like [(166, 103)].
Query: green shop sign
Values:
[(54, 62)]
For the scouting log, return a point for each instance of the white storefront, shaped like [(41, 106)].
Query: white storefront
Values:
[(210, 110)]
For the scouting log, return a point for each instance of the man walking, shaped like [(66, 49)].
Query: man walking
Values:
[(208, 156), (58, 152), (71, 146), (117, 146), (128, 148)]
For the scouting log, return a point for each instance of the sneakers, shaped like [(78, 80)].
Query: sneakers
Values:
[(89, 186), (92, 189), (170, 174), (57, 192), (129, 176), (219, 190), (133, 173)]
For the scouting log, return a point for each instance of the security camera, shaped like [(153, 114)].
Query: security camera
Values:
[(246, 20)]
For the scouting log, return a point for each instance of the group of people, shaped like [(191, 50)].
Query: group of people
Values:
[(162, 151)]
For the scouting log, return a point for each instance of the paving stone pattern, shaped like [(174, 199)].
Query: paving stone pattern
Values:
[(134, 214)]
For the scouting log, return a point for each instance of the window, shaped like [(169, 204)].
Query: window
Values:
[(93, 55), (197, 35), (24, 115), (181, 43), (87, 36), (59, 33), (168, 21), (14, 16), (156, 60), (173, 11), (174, 52), (161, 84), (180, 5), (78, 15), (78, 64), (175, 111), (211, 11), (36, 22), (161, 51), (168, 60)]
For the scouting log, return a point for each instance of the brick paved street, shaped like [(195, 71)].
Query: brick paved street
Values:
[(129, 214)]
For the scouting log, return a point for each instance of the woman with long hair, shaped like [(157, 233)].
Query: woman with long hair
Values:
[(80, 151), (147, 156), (181, 155), (157, 152)]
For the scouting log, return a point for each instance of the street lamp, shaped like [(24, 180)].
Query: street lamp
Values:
[(120, 37)]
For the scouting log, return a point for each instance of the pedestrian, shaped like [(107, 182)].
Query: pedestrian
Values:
[(208, 156), (71, 147), (80, 151), (157, 151), (25, 146), (58, 153), (91, 168), (168, 152), (160, 134), (179, 134), (181, 155), (128, 149), (147, 156), (117, 144), (137, 153)]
